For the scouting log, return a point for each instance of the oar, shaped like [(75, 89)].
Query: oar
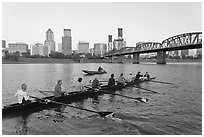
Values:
[(161, 82), (138, 99), (146, 89), (102, 114)]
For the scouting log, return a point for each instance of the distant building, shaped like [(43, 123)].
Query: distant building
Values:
[(50, 40), (199, 51), (83, 47), (184, 52), (119, 43), (100, 49), (110, 43), (3, 44), (20, 47), (59, 48), (67, 42), (40, 49), (91, 51)]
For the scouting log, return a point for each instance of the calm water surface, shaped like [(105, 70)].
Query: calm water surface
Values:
[(177, 109)]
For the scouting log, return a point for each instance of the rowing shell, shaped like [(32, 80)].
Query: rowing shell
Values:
[(88, 72), (75, 96)]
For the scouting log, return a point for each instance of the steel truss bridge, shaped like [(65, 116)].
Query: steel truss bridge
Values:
[(179, 42)]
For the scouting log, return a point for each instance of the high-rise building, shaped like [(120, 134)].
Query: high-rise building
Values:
[(110, 42), (119, 43), (50, 40), (3, 44), (20, 47), (100, 49), (67, 42), (83, 47)]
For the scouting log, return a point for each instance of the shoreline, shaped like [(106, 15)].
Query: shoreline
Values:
[(68, 61)]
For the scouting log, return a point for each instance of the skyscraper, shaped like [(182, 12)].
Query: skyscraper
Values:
[(3, 44), (67, 42), (50, 40), (100, 49), (83, 47)]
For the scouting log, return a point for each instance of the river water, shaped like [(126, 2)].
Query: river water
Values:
[(177, 109)]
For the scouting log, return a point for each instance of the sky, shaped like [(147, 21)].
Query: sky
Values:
[(93, 22)]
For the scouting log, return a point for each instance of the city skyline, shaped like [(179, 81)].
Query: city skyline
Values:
[(93, 22)]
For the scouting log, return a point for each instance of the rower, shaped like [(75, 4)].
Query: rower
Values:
[(111, 81), (80, 86), (146, 76), (121, 80), (137, 77), (95, 83), (22, 95), (100, 69), (58, 89)]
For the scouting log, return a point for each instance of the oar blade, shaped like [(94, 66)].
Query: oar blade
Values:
[(106, 113)]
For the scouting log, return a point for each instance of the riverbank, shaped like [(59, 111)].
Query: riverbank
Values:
[(67, 61)]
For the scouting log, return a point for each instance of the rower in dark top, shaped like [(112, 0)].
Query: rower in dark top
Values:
[(111, 81), (138, 75), (95, 83), (146, 76), (100, 69), (58, 90)]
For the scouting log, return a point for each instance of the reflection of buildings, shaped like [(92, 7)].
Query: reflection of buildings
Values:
[(50, 40), (83, 47), (20, 47), (67, 42), (100, 49), (40, 49)]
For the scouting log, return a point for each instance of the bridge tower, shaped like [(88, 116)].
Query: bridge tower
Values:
[(110, 42)]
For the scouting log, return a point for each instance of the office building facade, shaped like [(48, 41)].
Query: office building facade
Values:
[(20, 47), (3, 44), (67, 42), (83, 47), (100, 49)]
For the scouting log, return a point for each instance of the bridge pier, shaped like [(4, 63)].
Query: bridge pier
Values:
[(161, 57), (136, 58), (111, 59), (120, 59)]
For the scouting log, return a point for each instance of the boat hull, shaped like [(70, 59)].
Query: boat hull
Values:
[(88, 72), (71, 97)]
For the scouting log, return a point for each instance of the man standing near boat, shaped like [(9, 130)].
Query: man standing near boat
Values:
[(58, 90), (22, 95), (121, 80)]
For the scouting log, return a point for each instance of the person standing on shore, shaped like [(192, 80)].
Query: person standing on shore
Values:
[(58, 90)]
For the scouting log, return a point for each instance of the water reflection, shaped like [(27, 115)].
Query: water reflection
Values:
[(21, 127)]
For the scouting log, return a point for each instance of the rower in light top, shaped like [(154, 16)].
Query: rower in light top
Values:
[(80, 86), (22, 95), (100, 69), (121, 80), (146, 76)]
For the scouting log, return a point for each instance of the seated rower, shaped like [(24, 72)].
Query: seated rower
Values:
[(80, 86), (146, 76), (100, 69), (111, 81), (138, 76), (95, 83), (121, 80), (22, 95), (58, 89)]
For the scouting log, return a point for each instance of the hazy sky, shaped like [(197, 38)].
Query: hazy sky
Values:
[(93, 22)]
